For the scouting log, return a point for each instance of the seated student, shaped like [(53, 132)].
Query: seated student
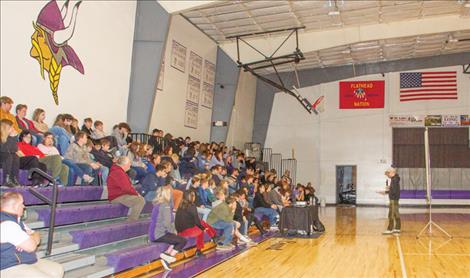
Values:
[(215, 171), (233, 180), (61, 133), (221, 217), (162, 228), (177, 193), (211, 191), (264, 208), (9, 160), (78, 153), (86, 127), (152, 182), (202, 202), (52, 162), (18, 243), (247, 213), (98, 133), (25, 124), (121, 191), (39, 115), (101, 153), (136, 161), (103, 171), (47, 147), (188, 223), (13, 159), (217, 159), (241, 222), (275, 197), (156, 141), (224, 184), (74, 128), (300, 193), (5, 108), (121, 133)]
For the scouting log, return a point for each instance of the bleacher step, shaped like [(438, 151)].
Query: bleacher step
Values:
[(58, 248), (74, 261), (98, 270), (35, 225)]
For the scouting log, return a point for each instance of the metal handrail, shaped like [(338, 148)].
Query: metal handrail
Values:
[(52, 203)]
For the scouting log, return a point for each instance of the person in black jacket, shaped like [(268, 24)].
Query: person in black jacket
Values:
[(11, 159), (188, 223), (263, 208), (101, 154), (394, 224)]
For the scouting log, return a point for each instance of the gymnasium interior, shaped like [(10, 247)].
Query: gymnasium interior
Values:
[(333, 134)]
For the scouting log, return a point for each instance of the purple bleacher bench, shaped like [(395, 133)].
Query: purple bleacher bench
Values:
[(436, 194), (85, 213), (119, 231), (66, 194), (134, 256), (22, 177)]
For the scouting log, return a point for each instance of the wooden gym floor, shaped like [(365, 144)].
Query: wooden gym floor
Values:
[(353, 246)]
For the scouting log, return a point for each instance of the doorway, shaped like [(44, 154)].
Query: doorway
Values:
[(346, 184)]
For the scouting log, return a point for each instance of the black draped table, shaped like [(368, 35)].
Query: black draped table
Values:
[(300, 219)]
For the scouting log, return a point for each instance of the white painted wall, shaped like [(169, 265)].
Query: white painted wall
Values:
[(103, 41), (243, 112), (349, 137), (169, 106)]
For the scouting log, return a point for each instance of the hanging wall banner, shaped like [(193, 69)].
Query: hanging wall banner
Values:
[(194, 87), (361, 94), (406, 121), (465, 120), (191, 114), (209, 72), (178, 56), (195, 65), (161, 76), (433, 120), (207, 95), (451, 120)]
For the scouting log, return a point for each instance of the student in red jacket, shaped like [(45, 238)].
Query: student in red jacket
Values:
[(120, 189)]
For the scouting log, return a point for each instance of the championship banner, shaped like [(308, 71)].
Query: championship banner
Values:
[(361, 94)]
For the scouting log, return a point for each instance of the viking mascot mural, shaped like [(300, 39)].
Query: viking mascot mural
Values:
[(50, 42)]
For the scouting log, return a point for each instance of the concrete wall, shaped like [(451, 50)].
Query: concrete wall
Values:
[(169, 105), (103, 40)]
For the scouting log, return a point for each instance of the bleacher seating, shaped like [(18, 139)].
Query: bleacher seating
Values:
[(436, 194)]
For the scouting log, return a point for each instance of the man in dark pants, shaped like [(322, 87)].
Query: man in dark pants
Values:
[(393, 190)]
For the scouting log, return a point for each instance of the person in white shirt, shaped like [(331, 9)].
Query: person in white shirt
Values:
[(18, 244)]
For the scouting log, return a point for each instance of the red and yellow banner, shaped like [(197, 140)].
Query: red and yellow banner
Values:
[(361, 94)]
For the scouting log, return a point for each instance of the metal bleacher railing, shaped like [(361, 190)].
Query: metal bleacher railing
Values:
[(51, 202)]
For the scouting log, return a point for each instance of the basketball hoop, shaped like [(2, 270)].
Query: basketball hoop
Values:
[(319, 105)]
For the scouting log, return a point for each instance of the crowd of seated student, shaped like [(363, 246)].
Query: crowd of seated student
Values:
[(208, 186)]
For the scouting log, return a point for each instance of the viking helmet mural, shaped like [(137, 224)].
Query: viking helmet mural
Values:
[(50, 42)]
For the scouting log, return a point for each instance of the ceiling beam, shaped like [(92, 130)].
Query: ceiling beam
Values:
[(181, 6), (313, 41)]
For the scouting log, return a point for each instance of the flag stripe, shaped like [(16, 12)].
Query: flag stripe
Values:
[(437, 77), (439, 81), (438, 72), (442, 94), (438, 85), (427, 90), (427, 98)]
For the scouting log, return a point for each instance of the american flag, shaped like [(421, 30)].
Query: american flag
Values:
[(428, 85)]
